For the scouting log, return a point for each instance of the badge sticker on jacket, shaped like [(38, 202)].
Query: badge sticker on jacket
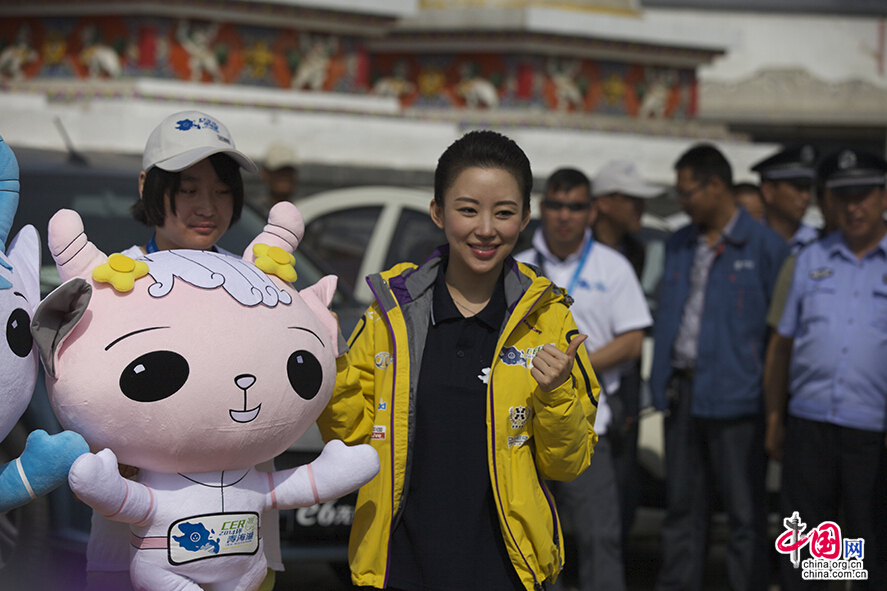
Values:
[(514, 356), (518, 416), (379, 432), (382, 359), (517, 440)]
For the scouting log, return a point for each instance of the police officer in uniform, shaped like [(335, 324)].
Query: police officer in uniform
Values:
[(829, 361), (786, 182)]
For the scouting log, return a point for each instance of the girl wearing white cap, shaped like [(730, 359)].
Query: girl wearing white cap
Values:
[(190, 187), (190, 192)]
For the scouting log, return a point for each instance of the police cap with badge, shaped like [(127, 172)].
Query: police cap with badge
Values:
[(793, 165), (853, 172)]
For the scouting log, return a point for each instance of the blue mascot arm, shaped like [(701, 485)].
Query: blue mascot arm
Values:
[(45, 463)]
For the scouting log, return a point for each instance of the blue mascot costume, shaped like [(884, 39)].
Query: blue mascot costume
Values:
[(47, 458)]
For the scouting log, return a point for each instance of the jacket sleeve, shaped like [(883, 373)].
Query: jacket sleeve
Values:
[(350, 412), (563, 423)]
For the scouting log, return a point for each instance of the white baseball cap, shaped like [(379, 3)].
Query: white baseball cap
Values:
[(280, 156), (621, 176), (187, 137)]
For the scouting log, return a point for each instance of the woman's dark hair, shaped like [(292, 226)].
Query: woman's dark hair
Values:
[(149, 209), (483, 149)]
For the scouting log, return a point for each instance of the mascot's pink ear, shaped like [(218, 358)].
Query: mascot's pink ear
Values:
[(74, 255), (284, 229), (318, 298), (56, 317)]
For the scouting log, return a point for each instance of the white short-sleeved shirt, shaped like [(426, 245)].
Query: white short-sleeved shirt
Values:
[(608, 301)]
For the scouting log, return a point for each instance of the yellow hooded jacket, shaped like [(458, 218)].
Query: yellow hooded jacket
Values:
[(535, 435)]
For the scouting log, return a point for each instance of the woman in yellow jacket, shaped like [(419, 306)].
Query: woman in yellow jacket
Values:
[(467, 376)]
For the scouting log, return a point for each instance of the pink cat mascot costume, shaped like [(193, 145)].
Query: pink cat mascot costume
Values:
[(194, 367)]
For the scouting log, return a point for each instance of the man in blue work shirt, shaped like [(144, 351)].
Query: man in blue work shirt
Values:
[(787, 178), (710, 336), (830, 359)]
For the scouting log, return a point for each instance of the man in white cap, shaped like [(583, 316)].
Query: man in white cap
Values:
[(620, 195), (620, 198), (609, 306), (279, 173)]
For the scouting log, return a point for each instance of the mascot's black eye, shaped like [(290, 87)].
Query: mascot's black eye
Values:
[(18, 332), (154, 376), (305, 374)]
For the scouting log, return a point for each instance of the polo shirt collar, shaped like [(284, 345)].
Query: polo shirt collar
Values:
[(443, 307), (542, 248)]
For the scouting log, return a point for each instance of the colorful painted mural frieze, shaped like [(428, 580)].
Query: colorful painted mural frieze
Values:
[(210, 52)]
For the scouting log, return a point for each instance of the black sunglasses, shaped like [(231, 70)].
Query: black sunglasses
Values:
[(559, 205)]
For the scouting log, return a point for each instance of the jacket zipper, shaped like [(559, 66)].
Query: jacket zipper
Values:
[(390, 426), (537, 585)]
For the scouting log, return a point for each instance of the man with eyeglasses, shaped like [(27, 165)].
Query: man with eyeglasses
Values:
[(710, 336), (609, 306), (787, 179)]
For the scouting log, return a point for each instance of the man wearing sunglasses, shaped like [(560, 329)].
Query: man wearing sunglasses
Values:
[(786, 182), (609, 306)]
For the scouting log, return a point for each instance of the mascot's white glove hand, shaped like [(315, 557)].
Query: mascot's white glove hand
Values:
[(341, 469), (95, 479), (338, 471)]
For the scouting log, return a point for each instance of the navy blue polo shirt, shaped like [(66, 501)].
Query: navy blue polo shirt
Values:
[(448, 538)]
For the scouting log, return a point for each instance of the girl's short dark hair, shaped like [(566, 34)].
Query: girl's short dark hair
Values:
[(483, 149), (149, 209)]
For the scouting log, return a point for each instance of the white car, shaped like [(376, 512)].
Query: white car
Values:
[(363, 230)]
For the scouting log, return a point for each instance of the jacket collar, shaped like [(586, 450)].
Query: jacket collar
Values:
[(737, 231), (410, 283)]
